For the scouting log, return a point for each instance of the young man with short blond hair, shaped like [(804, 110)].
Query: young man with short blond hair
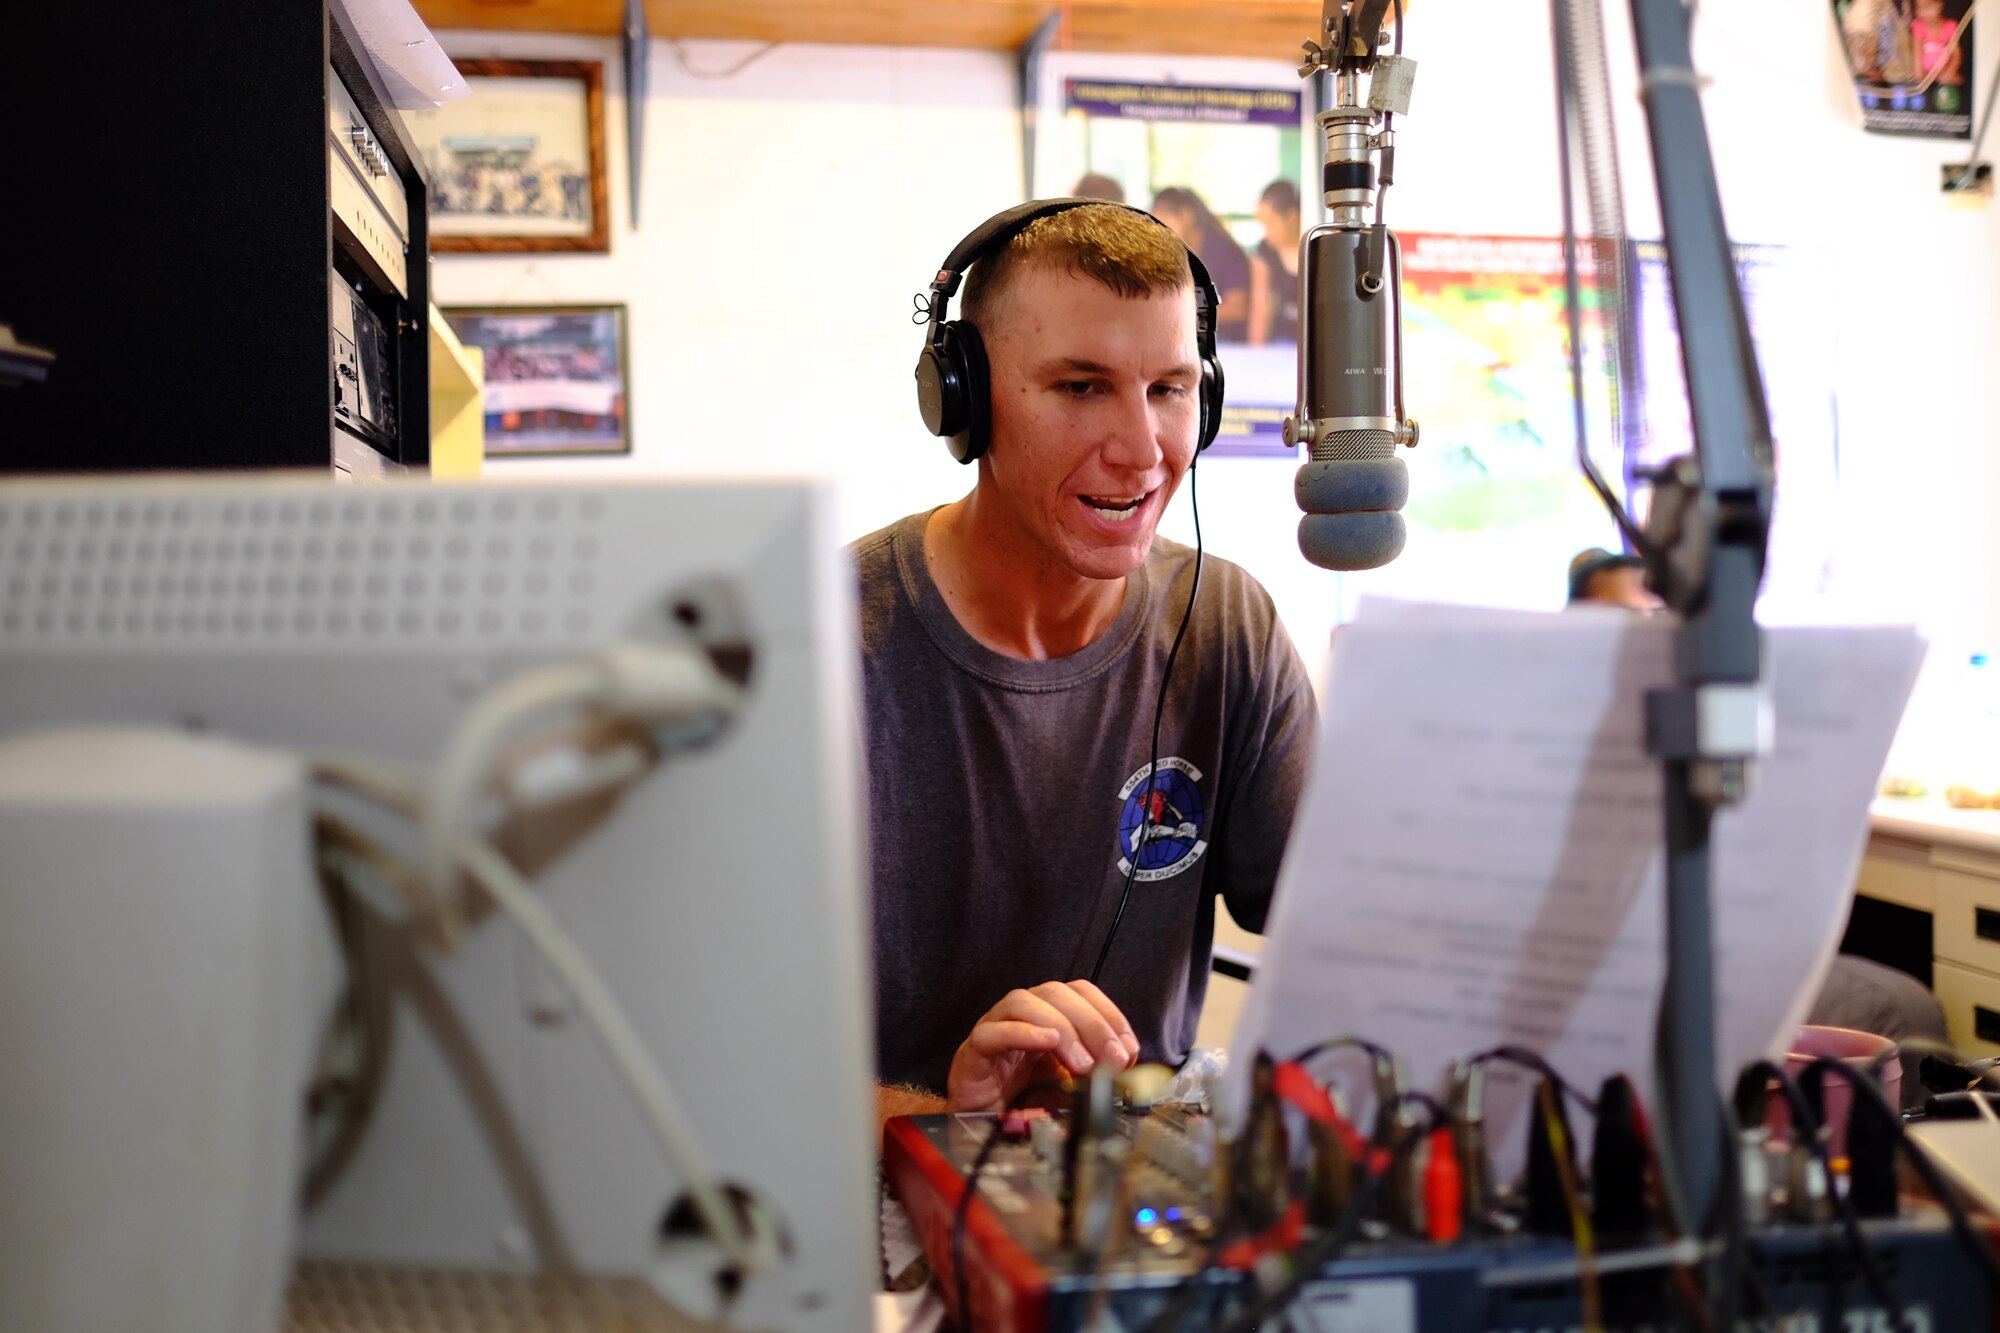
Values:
[(1014, 644)]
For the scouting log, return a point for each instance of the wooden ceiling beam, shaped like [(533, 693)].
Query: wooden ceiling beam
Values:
[(1268, 28)]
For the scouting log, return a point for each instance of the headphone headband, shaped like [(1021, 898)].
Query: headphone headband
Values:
[(1003, 227)]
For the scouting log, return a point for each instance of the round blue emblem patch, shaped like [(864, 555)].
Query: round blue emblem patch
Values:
[(1160, 823)]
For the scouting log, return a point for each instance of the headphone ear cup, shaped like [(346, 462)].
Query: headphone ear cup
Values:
[(940, 388), (968, 354), (1211, 402), (952, 390)]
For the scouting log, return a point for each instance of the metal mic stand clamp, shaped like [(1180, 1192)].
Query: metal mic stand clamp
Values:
[(1350, 33)]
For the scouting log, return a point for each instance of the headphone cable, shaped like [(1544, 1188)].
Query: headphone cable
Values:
[(1159, 710)]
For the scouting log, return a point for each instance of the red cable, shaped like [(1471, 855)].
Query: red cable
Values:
[(1298, 1088), (1444, 1191)]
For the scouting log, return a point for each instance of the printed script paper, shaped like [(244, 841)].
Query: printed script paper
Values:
[(1478, 857)]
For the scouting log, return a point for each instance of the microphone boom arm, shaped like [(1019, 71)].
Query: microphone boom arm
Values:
[(1705, 541)]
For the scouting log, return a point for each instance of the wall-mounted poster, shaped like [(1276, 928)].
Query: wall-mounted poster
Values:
[(555, 378), (518, 163), (1221, 164), (1495, 479), (1912, 64), (1498, 505)]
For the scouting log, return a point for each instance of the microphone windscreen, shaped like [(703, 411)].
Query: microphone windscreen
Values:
[(1345, 486), (1365, 540)]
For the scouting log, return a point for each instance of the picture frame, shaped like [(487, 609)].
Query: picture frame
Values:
[(518, 165), (558, 377)]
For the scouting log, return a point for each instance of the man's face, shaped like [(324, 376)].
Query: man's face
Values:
[(1096, 404)]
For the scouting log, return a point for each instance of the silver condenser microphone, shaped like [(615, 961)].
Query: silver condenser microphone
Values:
[(1350, 408)]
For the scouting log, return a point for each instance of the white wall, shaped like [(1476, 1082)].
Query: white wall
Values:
[(788, 216), (791, 212)]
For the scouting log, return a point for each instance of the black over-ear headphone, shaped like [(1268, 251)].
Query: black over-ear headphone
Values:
[(953, 386)]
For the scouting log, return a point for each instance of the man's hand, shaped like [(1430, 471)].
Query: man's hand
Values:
[(1072, 1024)]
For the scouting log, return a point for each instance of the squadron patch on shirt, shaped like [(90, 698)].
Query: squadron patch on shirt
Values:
[(1160, 822)]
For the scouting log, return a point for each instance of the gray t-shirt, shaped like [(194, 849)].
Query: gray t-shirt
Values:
[(1005, 798)]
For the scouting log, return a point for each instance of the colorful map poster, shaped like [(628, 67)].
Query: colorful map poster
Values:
[(1497, 504)]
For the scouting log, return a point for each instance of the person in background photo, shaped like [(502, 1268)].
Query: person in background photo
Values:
[(1879, 46), (1939, 56), (1096, 186), (1274, 268), (1183, 210), (1597, 575)]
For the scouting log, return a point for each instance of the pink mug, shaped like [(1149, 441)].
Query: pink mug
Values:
[(1857, 1049)]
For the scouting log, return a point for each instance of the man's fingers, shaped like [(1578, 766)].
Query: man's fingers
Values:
[(1087, 1027), (1030, 1007), (1102, 1003), (1043, 1009), (1107, 1012), (1002, 1036), (1098, 1034)]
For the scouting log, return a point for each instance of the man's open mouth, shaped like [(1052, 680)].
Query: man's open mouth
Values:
[(1114, 508)]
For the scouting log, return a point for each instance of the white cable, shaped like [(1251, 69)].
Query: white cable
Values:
[(648, 684), (628, 1053), (363, 870), (399, 787), (456, 780), (571, 773)]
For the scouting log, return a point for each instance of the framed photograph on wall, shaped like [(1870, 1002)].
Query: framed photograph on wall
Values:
[(518, 165), (556, 377), (1911, 61)]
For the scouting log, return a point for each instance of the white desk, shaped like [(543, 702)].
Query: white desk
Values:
[(1926, 855)]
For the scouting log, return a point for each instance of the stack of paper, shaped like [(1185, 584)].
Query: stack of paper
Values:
[(1478, 856)]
